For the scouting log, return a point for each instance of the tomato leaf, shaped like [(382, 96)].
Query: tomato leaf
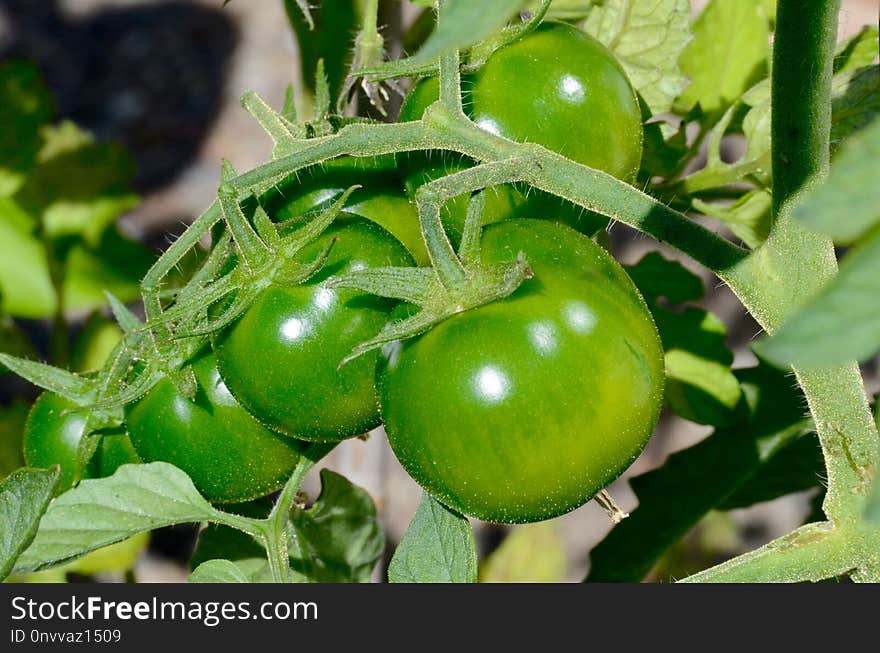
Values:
[(24, 267), (847, 205), (855, 102), (340, 536), (748, 218), (78, 187), (24, 496), (218, 571), (673, 498), (727, 55), (857, 51), (647, 38), (841, 323), (223, 542), (463, 23), (798, 466), (438, 547), (330, 38), (532, 553), (699, 383), (565, 10), (98, 512), (116, 265)]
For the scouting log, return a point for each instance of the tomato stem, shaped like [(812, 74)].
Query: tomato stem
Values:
[(279, 546)]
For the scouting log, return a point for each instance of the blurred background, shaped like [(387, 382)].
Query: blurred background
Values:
[(163, 79)]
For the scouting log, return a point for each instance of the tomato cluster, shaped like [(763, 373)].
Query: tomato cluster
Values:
[(515, 411)]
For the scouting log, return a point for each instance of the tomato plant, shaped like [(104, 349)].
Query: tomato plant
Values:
[(422, 275), (538, 400)]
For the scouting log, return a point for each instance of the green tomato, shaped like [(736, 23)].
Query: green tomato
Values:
[(228, 454), (280, 357), (558, 87), (524, 408), (53, 434), (380, 198)]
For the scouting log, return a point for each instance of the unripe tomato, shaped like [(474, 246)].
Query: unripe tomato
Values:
[(558, 87), (228, 454), (524, 408), (280, 357), (52, 436), (379, 199)]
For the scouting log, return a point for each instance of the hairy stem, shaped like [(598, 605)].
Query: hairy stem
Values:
[(803, 58), (278, 545), (785, 272)]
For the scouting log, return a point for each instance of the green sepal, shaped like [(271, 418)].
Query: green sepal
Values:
[(67, 384), (483, 284)]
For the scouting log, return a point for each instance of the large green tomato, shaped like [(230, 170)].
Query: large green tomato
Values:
[(523, 409), (280, 357), (228, 454), (557, 87), (53, 434)]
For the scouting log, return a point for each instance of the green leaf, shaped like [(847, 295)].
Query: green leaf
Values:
[(335, 25), (855, 102), (340, 536), (797, 466), (529, 554), (673, 498), (223, 542), (699, 383), (647, 38), (841, 323), (565, 10), (98, 512), (662, 154), (12, 420), (748, 218), (25, 105), (218, 571), (727, 55), (656, 276), (78, 187), (118, 557), (438, 548), (848, 204), (857, 51), (117, 265), (24, 495), (464, 23), (25, 284)]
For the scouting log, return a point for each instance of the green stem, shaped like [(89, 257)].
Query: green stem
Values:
[(443, 257), (278, 545), (370, 11), (450, 83), (803, 59), (785, 272), (812, 553)]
